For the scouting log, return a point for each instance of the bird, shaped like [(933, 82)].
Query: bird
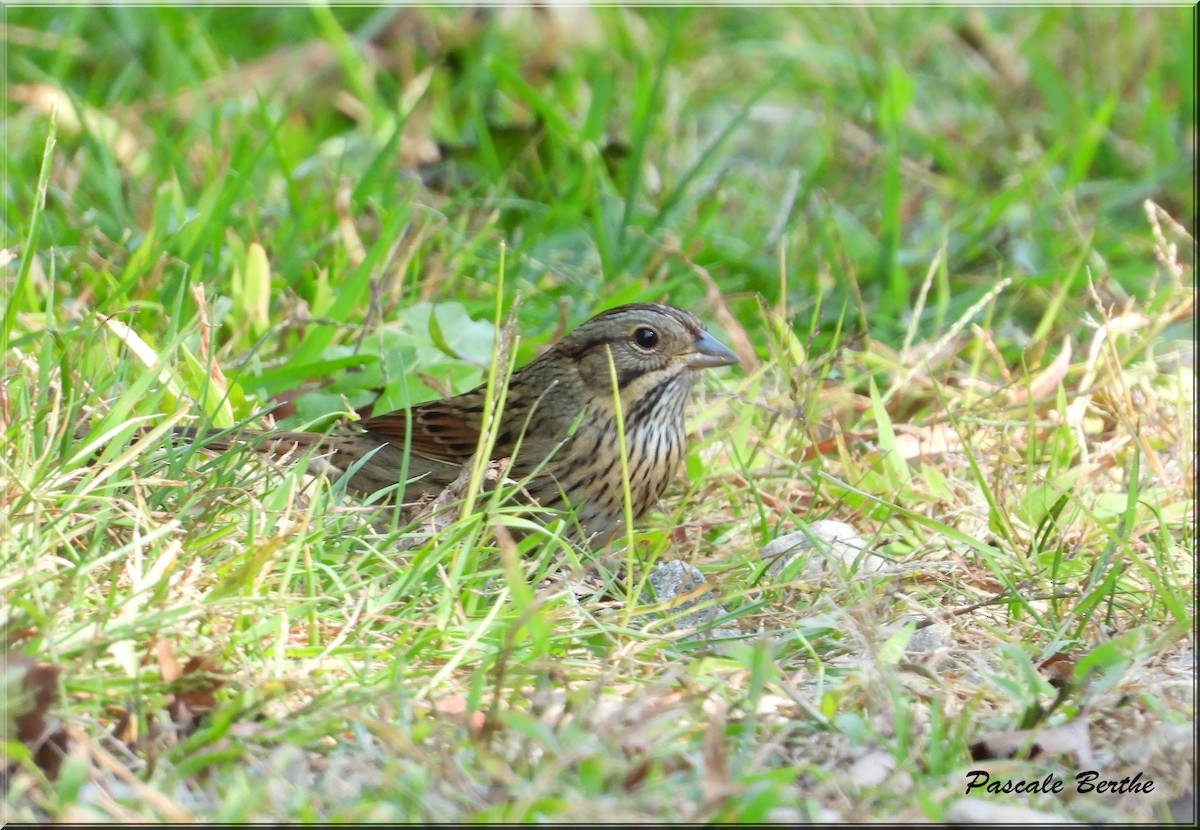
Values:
[(558, 425)]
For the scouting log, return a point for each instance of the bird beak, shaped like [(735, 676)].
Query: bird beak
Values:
[(709, 352)]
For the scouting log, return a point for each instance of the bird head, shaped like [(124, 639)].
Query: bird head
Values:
[(649, 343)]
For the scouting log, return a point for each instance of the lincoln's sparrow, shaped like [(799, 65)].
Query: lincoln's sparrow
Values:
[(561, 410)]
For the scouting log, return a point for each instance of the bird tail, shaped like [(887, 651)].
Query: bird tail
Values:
[(334, 455), (278, 445)]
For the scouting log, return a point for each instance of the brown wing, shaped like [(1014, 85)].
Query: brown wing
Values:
[(441, 430)]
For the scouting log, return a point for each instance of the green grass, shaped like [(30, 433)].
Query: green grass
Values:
[(911, 214)]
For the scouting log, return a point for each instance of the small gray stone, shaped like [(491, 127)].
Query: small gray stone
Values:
[(971, 810), (930, 639), (827, 546), (672, 579)]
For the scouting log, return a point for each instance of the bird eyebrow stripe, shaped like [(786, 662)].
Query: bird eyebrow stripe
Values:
[(624, 377), (595, 344)]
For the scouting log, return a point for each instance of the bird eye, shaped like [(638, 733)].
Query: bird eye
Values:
[(645, 337)]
